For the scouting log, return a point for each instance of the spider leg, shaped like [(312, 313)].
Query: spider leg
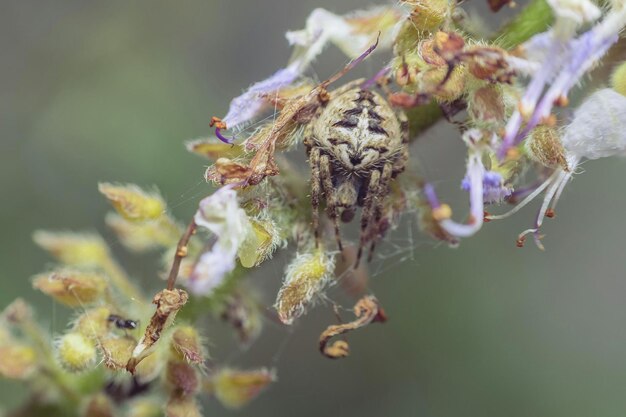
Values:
[(314, 162), (366, 215), (379, 199), (331, 197)]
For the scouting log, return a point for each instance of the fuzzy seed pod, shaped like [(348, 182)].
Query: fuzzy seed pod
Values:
[(544, 146), (187, 346), (76, 352), (117, 351), (132, 203), (428, 15), (72, 288), (93, 323), (305, 278)]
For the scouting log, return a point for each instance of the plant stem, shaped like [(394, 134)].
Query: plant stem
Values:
[(181, 252)]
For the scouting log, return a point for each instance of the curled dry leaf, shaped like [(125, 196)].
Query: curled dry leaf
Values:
[(367, 310)]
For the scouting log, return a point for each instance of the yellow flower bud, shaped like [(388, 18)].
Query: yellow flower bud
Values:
[(305, 278), (144, 236), (187, 345), (618, 79), (93, 323), (72, 288), (76, 352), (235, 389), (132, 203), (117, 351), (78, 249), (17, 361)]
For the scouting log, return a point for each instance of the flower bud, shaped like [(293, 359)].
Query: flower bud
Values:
[(93, 323), (259, 244), (132, 203), (305, 278), (187, 346), (76, 352), (182, 407), (117, 351), (78, 249), (235, 389), (17, 361), (182, 379), (214, 150), (544, 146), (428, 15), (486, 105), (72, 288), (145, 407)]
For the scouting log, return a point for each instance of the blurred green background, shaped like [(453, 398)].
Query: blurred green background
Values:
[(108, 91)]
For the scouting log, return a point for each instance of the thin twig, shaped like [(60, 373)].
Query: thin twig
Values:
[(181, 252)]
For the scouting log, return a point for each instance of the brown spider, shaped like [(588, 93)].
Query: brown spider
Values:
[(356, 145)]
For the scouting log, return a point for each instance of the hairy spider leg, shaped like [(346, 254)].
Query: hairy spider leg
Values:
[(314, 162), (331, 197), (366, 214), (379, 200)]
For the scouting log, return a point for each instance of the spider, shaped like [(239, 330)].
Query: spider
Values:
[(356, 145)]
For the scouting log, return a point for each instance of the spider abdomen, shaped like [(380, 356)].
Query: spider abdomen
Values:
[(359, 130)]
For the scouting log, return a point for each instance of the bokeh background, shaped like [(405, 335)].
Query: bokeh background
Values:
[(109, 90)]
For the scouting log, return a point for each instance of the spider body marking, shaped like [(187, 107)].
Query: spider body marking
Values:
[(356, 145)]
